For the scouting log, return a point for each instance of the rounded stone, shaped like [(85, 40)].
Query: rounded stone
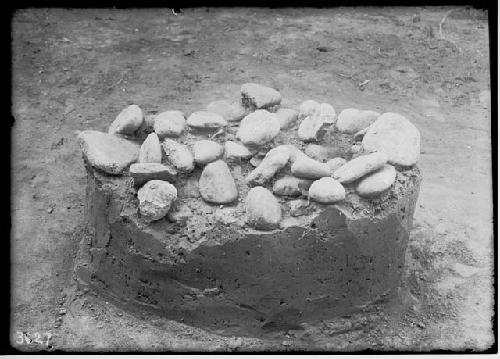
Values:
[(287, 117), (169, 124), (263, 209), (206, 151), (206, 120), (230, 111), (258, 96), (308, 108), (306, 167), (216, 184), (360, 166), (326, 190), (352, 120), (178, 155), (258, 128), (396, 136), (128, 121), (377, 182), (234, 151), (155, 199), (150, 151)]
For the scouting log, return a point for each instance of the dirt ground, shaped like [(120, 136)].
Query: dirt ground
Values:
[(76, 69)]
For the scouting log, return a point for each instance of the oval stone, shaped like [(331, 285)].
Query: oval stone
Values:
[(128, 121), (178, 155), (306, 167), (377, 182), (258, 128), (326, 190), (359, 167), (169, 124), (216, 184), (234, 151), (263, 209), (206, 120), (206, 151), (352, 120), (155, 199), (258, 96)]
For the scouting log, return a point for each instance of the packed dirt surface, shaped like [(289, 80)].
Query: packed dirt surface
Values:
[(76, 69)]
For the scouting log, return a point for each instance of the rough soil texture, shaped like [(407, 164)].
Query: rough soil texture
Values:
[(76, 69)]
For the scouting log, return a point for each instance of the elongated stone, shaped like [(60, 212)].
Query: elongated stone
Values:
[(206, 120), (306, 167), (360, 166), (128, 121), (150, 151), (178, 155), (258, 96), (143, 172), (274, 160), (377, 182)]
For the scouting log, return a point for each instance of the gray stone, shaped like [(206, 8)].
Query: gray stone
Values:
[(317, 152), (326, 190), (150, 151), (230, 111), (234, 151), (308, 108), (258, 128), (287, 117), (206, 120), (314, 126), (291, 186), (216, 184), (128, 121), (336, 163), (169, 124), (274, 161), (352, 120), (178, 155), (306, 167), (377, 182), (258, 96), (155, 199), (263, 209), (106, 152), (396, 136), (206, 151), (143, 172), (359, 167)]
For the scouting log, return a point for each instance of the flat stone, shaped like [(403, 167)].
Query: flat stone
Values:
[(291, 186), (306, 167), (317, 152), (258, 128), (396, 136), (150, 151), (216, 184), (377, 182), (155, 199), (336, 163), (234, 151), (287, 117), (230, 111), (206, 120), (128, 121), (263, 209), (258, 96), (360, 166), (274, 161), (169, 124), (326, 190), (178, 155), (143, 172), (314, 126), (352, 120), (206, 151), (106, 152), (308, 108)]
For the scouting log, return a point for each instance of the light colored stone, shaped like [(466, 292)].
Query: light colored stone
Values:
[(206, 151), (206, 120), (216, 184), (336, 163), (274, 160), (143, 172), (263, 209), (169, 124), (317, 152), (326, 190), (306, 167), (258, 128), (291, 186), (128, 121), (230, 111), (313, 127), (359, 167), (106, 152), (396, 136), (258, 96), (150, 151), (326, 113), (155, 199), (178, 155), (377, 182), (287, 117), (308, 108), (234, 151), (352, 120)]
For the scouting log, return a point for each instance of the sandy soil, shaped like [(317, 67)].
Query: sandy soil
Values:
[(76, 69)]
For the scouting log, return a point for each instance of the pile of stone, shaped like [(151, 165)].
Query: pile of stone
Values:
[(383, 144)]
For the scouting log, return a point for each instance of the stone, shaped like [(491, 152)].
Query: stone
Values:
[(360, 166), (128, 121), (308, 108), (178, 155), (274, 161), (155, 199), (216, 184), (169, 124), (180, 214), (230, 111), (314, 126), (287, 117), (258, 128), (358, 136), (234, 151), (336, 163), (396, 136), (150, 151), (206, 151), (108, 153), (263, 209), (306, 167), (258, 96), (352, 120), (291, 186), (300, 207), (317, 152), (326, 190), (256, 161), (377, 182), (143, 172), (206, 120)]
